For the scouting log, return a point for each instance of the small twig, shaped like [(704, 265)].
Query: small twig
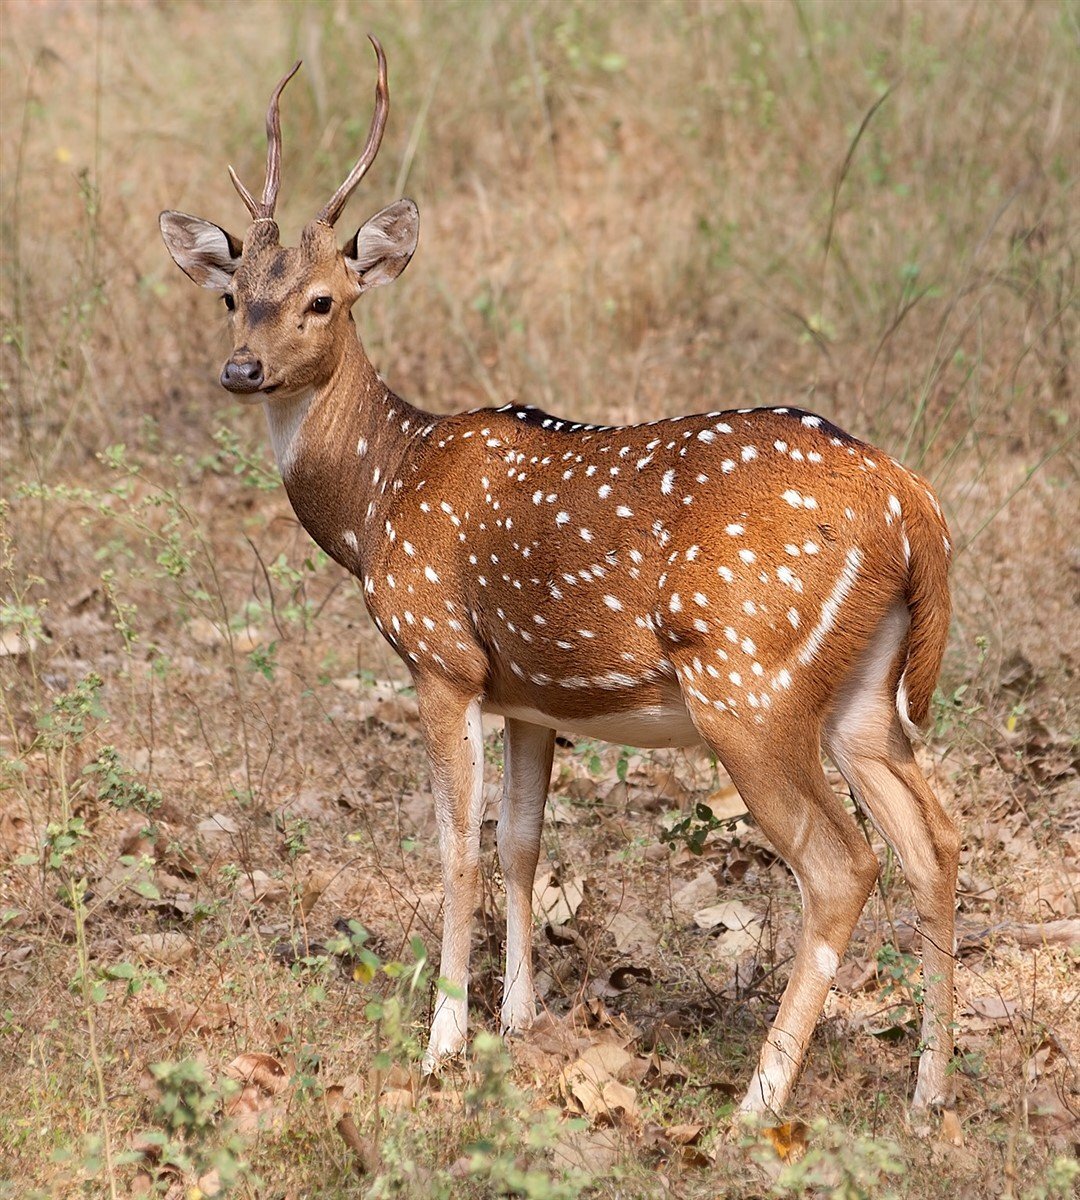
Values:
[(269, 585), (417, 130), (839, 182)]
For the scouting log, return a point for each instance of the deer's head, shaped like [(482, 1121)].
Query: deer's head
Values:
[(290, 307)]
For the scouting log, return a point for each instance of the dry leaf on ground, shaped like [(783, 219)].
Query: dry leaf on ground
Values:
[(633, 932), (263, 1079), (992, 1008), (184, 1017), (726, 803), (557, 896), (261, 1070), (168, 947), (593, 1151), (700, 892), (220, 825), (593, 1082), (381, 701), (258, 887), (731, 914), (678, 1143)]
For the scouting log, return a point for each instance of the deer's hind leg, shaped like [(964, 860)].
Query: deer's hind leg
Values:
[(528, 753), (777, 769), (866, 740)]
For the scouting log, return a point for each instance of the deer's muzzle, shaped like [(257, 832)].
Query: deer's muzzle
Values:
[(242, 373)]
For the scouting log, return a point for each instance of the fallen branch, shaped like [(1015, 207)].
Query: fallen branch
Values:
[(1063, 932)]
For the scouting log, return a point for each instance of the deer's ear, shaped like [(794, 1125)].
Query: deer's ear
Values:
[(382, 247), (202, 250)]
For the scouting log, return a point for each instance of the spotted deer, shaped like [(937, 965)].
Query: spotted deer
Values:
[(755, 580)]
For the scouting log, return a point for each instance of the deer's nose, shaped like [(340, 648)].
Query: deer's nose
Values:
[(242, 373)]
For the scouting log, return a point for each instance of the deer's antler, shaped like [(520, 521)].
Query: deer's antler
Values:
[(334, 206)]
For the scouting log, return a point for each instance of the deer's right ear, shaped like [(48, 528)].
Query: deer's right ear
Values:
[(382, 247), (202, 250)]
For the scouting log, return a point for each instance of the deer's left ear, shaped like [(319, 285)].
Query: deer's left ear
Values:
[(382, 247)]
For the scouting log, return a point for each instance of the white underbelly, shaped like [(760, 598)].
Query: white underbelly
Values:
[(665, 724)]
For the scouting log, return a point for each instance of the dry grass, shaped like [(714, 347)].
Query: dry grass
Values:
[(626, 211)]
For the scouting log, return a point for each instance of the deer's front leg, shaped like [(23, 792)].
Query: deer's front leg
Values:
[(454, 738), (528, 751)]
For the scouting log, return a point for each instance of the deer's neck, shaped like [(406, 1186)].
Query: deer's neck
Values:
[(339, 449)]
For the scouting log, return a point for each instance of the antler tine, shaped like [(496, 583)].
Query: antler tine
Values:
[(250, 203), (265, 210), (337, 202)]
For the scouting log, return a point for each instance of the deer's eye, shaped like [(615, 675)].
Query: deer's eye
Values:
[(230, 301), (321, 304)]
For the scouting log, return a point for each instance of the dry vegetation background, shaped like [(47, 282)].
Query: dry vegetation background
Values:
[(209, 767)]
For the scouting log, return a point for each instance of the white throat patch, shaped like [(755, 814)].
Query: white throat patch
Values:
[(284, 418)]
